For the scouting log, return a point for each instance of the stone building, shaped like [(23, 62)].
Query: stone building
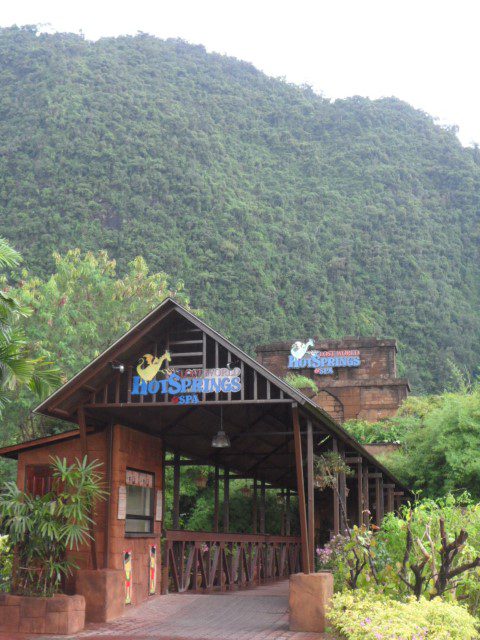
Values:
[(355, 377)]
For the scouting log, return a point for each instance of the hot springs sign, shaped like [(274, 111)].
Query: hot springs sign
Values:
[(323, 362), (183, 385)]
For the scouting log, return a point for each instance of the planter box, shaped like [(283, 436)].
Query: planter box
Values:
[(104, 593), (310, 596), (59, 614)]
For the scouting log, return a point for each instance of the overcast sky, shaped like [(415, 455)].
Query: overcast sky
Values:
[(423, 51)]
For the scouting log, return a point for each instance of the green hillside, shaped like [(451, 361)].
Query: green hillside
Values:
[(285, 214)]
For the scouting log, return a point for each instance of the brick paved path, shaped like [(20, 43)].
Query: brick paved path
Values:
[(257, 614)]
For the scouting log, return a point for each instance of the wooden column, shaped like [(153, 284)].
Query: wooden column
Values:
[(226, 500), (164, 483), (390, 497), (287, 513), (378, 500), (336, 501), (399, 496), (108, 506), (216, 498), (360, 493), (366, 496), (342, 490), (263, 501), (255, 506), (310, 496), (302, 510), (82, 425), (176, 491), (282, 523)]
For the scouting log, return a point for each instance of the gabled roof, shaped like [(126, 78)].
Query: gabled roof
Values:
[(84, 386)]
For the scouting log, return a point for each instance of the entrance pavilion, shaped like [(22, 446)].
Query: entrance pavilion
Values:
[(173, 385)]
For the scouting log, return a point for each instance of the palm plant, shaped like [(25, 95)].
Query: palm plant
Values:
[(16, 367), (42, 529)]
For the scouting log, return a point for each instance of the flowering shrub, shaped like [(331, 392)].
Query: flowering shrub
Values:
[(432, 550), (360, 615)]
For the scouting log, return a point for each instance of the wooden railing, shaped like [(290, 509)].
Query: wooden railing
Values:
[(203, 562)]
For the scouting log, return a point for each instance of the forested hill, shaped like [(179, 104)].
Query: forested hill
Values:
[(285, 214)]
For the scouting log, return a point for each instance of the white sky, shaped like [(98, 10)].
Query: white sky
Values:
[(423, 51)]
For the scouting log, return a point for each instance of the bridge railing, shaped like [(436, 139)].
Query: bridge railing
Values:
[(199, 561)]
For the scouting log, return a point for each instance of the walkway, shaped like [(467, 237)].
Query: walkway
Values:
[(257, 614)]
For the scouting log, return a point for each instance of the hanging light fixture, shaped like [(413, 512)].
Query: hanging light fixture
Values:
[(221, 440)]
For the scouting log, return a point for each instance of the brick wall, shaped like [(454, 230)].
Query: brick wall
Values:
[(371, 391), (130, 449)]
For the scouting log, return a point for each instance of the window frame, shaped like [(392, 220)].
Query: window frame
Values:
[(150, 518), (35, 470)]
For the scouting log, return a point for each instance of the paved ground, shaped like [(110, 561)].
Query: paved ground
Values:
[(257, 614)]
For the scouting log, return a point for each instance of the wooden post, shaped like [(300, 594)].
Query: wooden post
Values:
[(287, 513), (282, 523), (84, 448), (390, 498), (176, 491), (255, 506), (302, 510), (360, 493), (108, 506), (336, 500), (342, 491), (263, 500), (164, 483), (378, 501), (226, 500), (216, 499), (366, 496), (310, 496)]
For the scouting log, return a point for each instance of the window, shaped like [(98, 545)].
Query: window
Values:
[(38, 479), (140, 488)]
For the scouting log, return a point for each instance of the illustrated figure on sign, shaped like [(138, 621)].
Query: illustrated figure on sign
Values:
[(127, 565), (299, 349), (153, 569), (148, 366)]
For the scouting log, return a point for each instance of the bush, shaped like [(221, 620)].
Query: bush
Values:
[(431, 550), (41, 529), (362, 615), (300, 382)]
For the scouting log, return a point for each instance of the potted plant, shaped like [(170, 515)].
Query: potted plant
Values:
[(304, 384), (246, 491), (41, 529), (201, 479)]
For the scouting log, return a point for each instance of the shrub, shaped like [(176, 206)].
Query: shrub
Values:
[(432, 550), (364, 615), (41, 529), (300, 382)]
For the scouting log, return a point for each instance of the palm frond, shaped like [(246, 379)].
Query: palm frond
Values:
[(8, 256)]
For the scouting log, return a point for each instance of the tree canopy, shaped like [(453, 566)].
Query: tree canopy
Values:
[(287, 214)]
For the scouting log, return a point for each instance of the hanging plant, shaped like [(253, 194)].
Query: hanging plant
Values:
[(246, 491), (326, 467), (199, 477)]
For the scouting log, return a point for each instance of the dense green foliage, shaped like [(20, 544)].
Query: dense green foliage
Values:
[(197, 504), (439, 437), (409, 417), (287, 214), (441, 455), (18, 370), (41, 529)]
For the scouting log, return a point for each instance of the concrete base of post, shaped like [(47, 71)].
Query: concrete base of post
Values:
[(310, 596)]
